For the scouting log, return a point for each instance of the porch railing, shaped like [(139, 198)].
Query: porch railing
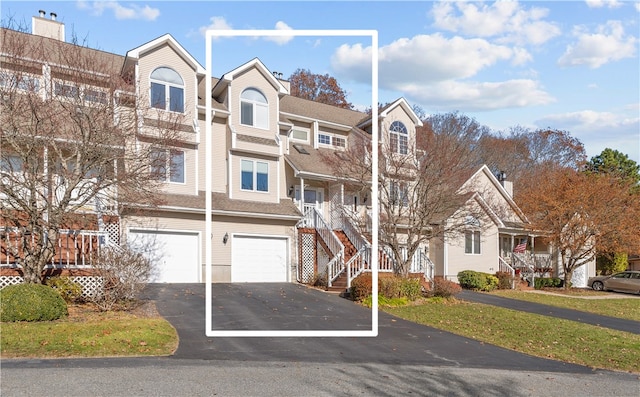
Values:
[(503, 266), (313, 218), (76, 248)]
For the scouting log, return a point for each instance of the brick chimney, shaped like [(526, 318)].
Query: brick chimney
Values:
[(47, 27)]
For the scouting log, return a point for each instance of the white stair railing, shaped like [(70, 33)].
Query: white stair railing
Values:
[(503, 266), (313, 218)]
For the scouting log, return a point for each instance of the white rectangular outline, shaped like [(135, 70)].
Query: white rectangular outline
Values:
[(373, 34)]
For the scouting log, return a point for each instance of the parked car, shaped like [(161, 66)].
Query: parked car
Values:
[(628, 281)]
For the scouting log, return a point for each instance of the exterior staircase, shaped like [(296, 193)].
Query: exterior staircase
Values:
[(341, 283)]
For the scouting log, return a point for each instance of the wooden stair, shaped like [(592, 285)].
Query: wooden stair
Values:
[(340, 283)]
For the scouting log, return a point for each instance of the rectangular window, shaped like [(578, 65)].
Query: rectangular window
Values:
[(246, 113), (66, 90), (300, 135), (472, 242), (168, 165), (176, 99), (324, 139), (254, 176), (158, 167), (158, 96), (95, 96), (398, 194), (339, 142), (176, 172), (11, 163)]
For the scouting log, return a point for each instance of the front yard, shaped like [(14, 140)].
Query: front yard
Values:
[(87, 332), (538, 335)]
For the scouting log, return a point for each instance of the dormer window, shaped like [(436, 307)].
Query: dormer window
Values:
[(398, 138), (167, 90), (254, 109)]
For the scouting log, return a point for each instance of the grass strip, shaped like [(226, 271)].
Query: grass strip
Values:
[(627, 308), (100, 336), (528, 333)]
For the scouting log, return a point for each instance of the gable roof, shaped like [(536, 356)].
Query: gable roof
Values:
[(384, 112), (499, 188), (254, 63), (166, 39)]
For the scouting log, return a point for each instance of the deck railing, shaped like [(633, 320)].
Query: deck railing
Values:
[(313, 218), (76, 248)]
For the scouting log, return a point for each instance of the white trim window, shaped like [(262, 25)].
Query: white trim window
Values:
[(398, 138), (300, 134), (254, 109), (22, 82), (325, 139), (168, 165), (472, 237), (254, 175), (398, 194), (166, 90)]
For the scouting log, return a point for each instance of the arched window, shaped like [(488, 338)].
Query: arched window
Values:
[(398, 138), (167, 90), (254, 109)]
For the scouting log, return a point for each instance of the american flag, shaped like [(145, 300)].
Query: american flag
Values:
[(520, 248)]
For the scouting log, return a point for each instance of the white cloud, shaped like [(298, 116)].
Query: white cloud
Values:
[(599, 130), (134, 11), (607, 44), (428, 58), (280, 40), (507, 21), (217, 23), (478, 96), (603, 3), (434, 71)]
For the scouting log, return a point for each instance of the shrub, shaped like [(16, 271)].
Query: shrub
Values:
[(388, 287), (470, 279), (444, 288), (505, 280), (545, 282), (124, 273), (361, 287), (384, 301), (69, 290), (31, 302)]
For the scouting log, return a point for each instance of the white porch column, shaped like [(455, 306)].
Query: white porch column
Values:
[(302, 195)]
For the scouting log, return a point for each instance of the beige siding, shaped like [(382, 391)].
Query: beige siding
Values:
[(271, 196)]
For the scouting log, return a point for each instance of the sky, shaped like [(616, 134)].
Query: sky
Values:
[(565, 65)]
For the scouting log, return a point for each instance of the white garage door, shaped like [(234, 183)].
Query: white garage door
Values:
[(258, 259), (176, 254)]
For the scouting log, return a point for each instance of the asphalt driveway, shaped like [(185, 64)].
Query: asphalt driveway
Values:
[(288, 306)]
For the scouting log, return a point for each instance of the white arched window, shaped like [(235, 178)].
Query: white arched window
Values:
[(254, 109), (167, 90), (398, 138)]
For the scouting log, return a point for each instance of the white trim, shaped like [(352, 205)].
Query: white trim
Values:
[(166, 39)]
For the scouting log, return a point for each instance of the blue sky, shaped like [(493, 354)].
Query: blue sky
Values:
[(568, 65)]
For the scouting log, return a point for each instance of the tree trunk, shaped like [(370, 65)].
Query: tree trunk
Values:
[(568, 275)]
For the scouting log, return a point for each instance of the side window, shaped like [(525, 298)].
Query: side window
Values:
[(254, 109), (167, 90), (472, 237), (398, 138)]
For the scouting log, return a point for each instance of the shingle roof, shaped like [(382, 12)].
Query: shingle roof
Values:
[(221, 202), (320, 111)]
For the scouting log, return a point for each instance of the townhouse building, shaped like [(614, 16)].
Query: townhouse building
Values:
[(280, 212)]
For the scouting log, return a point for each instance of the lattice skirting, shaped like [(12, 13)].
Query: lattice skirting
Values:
[(307, 268), (91, 285)]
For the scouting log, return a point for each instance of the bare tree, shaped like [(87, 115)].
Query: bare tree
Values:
[(420, 195), (77, 142), (582, 214)]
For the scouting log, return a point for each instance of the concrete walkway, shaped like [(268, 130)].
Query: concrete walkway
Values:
[(553, 311)]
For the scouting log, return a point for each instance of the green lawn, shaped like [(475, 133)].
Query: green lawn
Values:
[(89, 334), (628, 308), (532, 334)]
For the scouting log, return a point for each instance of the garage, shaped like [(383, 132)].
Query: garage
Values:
[(177, 254), (257, 259)]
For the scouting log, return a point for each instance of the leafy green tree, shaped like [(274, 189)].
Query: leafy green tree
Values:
[(612, 263), (615, 163)]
